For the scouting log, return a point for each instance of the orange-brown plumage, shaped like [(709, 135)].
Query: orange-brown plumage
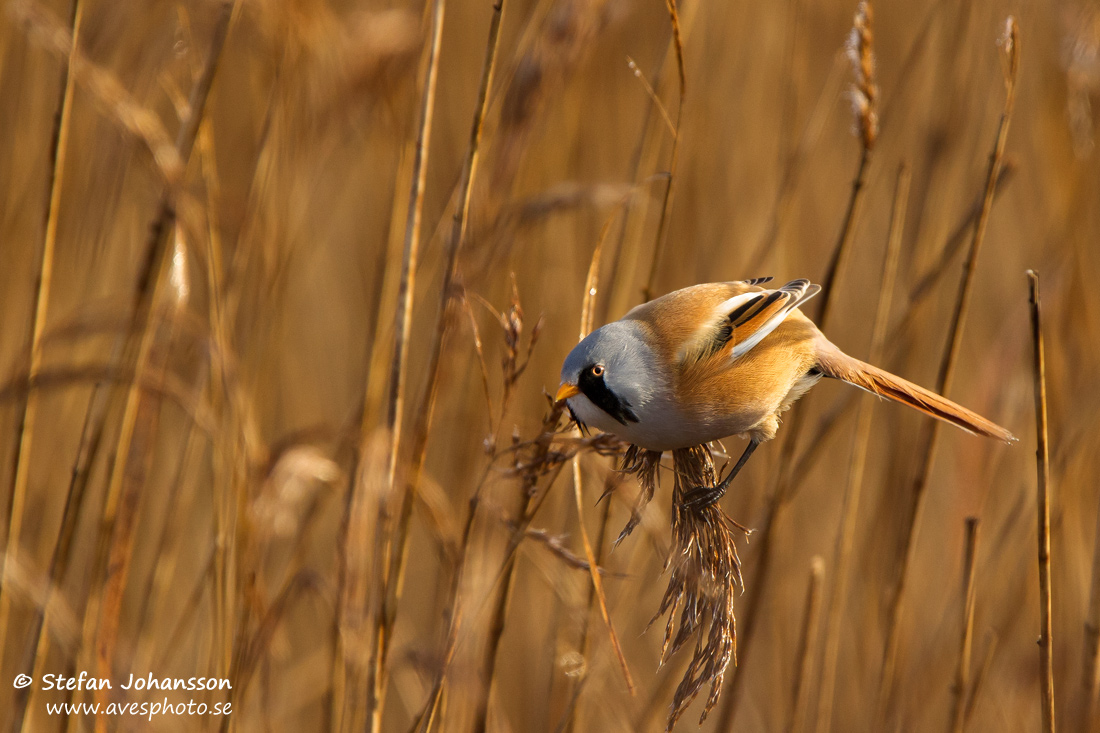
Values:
[(719, 359)]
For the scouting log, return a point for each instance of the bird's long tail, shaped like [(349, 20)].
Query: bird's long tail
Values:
[(832, 362)]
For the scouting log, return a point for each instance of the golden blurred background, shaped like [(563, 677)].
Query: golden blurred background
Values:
[(204, 215)]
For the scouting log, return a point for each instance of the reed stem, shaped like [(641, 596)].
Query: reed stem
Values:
[(1046, 650)]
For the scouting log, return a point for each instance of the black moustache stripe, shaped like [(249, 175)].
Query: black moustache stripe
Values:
[(580, 424), (597, 392)]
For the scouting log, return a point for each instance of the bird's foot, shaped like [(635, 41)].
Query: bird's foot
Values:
[(700, 497)]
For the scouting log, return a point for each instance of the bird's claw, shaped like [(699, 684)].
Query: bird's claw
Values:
[(700, 497)]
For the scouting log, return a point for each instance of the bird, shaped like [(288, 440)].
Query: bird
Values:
[(719, 359)]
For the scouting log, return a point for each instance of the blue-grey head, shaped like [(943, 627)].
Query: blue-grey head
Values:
[(609, 377)]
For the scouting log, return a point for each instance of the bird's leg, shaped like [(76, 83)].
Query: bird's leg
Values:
[(703, 496)]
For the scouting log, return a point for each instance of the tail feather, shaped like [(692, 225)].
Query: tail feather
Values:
[(832, 362)]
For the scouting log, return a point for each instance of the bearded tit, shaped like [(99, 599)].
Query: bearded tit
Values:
[(721, 359)]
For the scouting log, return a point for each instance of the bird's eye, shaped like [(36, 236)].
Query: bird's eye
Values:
[(597, 370)]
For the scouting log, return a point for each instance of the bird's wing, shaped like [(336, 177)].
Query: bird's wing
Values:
[(758, 280), (742, 322)]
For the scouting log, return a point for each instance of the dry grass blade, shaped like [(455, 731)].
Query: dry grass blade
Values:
[(11, 525), (106, 91), (865, 111), (140, 416), (530, 470), (1010, 49), (444, 316), (1046, 650), (597, 583), (588, 307), (1092, 631), (633, 66), (447, 293), (811, 617), (390, 540), (845, 539), (966, 644), (670, 189)]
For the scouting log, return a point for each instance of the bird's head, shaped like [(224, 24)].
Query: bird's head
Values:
[(608, 377)]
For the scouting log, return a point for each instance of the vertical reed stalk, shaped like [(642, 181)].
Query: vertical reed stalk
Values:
[(140, 415), (386, 613), (445, 316), (966, 643), (1046, 650), (865, 96), (499, 612), (459, 227), (588, 310), (594, 572), (595, 593), (16, 500), (807, 640), (1092, 632), (849, 512), (1010, 57), (670, 189), (847, 233)]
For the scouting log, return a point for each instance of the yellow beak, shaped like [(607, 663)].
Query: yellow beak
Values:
[(565, 391)]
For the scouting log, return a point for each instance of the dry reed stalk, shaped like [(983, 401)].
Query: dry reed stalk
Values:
[(644, 157), (865, 112), (166, 387), (1010, 57), (1092, 632), (115, 545), (652, 94), (559, 34), (806, 460), (597, 584), (280, 513), (444, 315), (427, 715), (143, 124), (981, 677), (530, 474), (807, 638), (595, 591), (572, 715), (163, 577), (926, 283), (230, 401), (849, 512), (15, 501), (387, 584), (705, 576), (530, 471), (105, 92), (670, 189), (1046, 647), (793, 167), (140, 415), (588, 309), (356, 559), (966, 643)]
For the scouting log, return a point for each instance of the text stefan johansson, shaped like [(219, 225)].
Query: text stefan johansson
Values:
[(84, 682)]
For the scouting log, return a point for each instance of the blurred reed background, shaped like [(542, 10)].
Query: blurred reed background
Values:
[(205, 213)]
